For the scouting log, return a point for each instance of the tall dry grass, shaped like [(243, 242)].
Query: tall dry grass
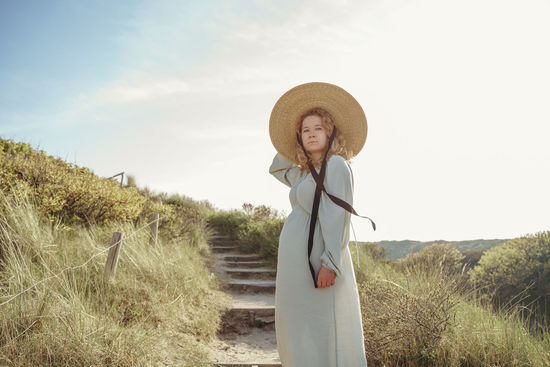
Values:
[(162, 308)]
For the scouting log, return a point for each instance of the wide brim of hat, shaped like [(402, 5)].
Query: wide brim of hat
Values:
[(348, 116)]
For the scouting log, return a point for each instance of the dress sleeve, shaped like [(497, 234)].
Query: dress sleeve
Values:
[(285, 171), (333, 219)]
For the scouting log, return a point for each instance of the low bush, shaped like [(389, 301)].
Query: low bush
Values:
[(63, 191), (181, 216), (262, 236), (257, 229), (442, 257), (517, 273), (228, 222)]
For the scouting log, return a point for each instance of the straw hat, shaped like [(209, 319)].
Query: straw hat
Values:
[(348, 116)]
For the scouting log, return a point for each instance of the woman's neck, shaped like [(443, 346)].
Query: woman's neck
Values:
[(317, 159), (316, 156)]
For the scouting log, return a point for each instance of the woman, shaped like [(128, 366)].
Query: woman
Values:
[(317, 313)]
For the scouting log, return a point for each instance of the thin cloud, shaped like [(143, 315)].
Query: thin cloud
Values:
[(124, 92)]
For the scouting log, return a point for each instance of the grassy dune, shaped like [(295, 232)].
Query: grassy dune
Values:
[(162, 307)]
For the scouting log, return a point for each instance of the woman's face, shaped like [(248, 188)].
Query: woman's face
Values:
[(314, 135)]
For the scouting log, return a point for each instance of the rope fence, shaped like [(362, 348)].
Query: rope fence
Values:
[(111, 260)]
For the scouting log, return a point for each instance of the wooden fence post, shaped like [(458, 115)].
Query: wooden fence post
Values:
[(154, 229), (112, 259)]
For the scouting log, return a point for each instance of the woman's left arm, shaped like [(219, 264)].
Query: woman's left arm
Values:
[(333, 219)]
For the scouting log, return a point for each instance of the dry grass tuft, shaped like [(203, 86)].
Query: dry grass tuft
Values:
[(404, 324)]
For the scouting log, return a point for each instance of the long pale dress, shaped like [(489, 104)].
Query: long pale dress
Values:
[(317, 327)]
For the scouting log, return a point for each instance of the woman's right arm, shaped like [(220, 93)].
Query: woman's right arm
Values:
[(285, 171)]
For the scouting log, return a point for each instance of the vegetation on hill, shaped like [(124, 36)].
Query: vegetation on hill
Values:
[(399, 249), (65, 191), (56, 224), (69, 195)]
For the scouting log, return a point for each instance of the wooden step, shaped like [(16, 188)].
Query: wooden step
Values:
[(224, 248), (256, 311), (251, 285), (260, 317), (221, 239), (247, 273), (241, 257), (223, 243), (245, 264), (218, 237), (247, 365), (252, 301)]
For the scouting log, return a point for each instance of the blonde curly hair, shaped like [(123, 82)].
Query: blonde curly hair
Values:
[(338, 145)]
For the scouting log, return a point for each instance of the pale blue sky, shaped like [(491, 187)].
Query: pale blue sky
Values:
[(178, 93)]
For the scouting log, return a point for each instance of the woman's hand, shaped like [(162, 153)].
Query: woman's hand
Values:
[(325, 278)]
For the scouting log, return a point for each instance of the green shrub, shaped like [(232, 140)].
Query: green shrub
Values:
[(74, 195), (65, 191), (518, 264), (228, 223), (471, 258), (262, 236), (181, 216), (261, 212), (257, 229), (517, 273)]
